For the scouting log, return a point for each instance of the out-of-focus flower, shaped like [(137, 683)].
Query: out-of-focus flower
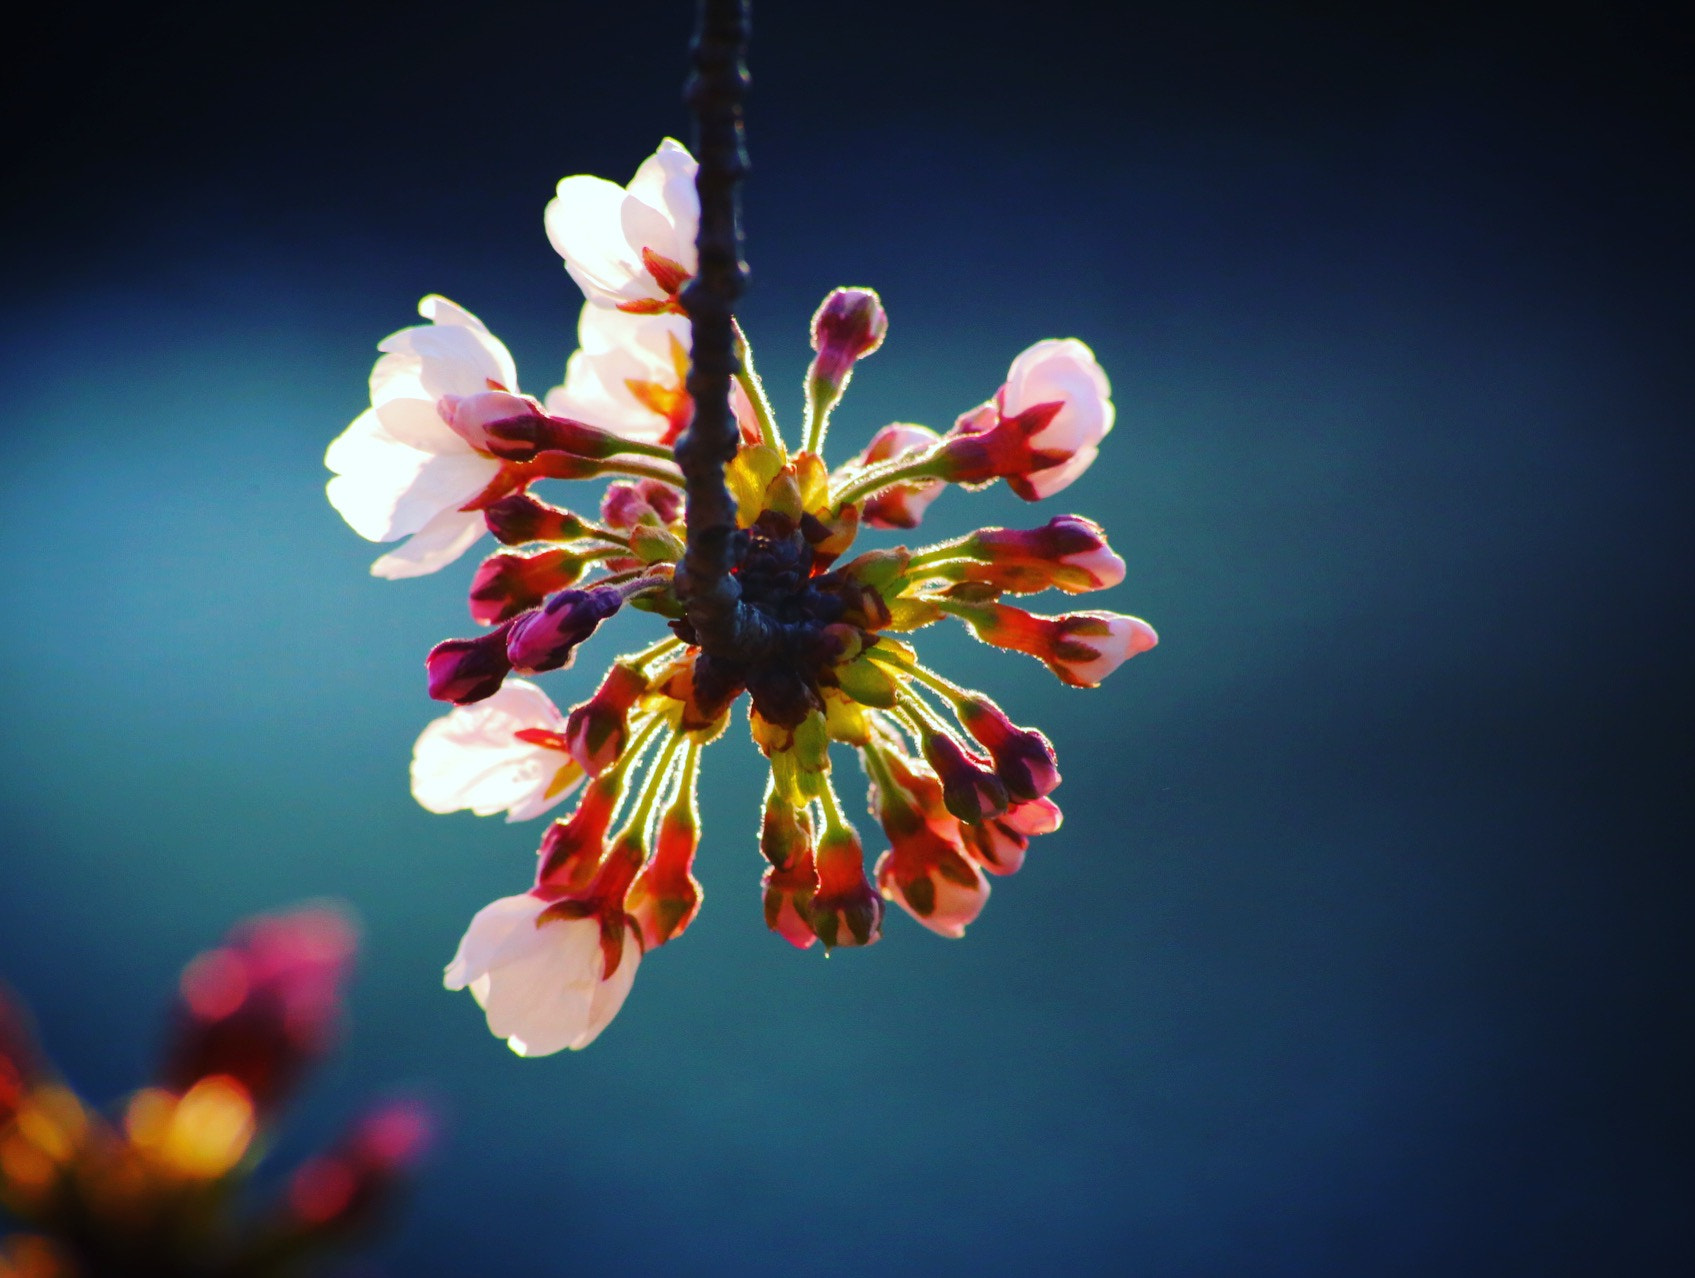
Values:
[(824, 658), (507, 753), (158, 1192), (630, 247)]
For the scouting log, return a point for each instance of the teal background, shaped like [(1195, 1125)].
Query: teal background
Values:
[(1364, 948)]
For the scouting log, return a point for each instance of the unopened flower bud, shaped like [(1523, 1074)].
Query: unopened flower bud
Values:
[(547, 638), (595, 731), (845, 910), (507, 584), (1069, 553), (1081, 648), (848, 325), (645, 501), (572, 848), (971, 791), (1024, 758), (467, 670), (791, 881), (903, 505), (263, 1006), (521, 518), (665, 896)]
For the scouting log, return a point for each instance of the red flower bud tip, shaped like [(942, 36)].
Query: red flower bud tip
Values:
[(845, 910), (547, 638), (467, 670), (264, 1005), (572, 848), (519, 518), (508, 584), (665, 896), (596, 731), (971, 792), (349, 1187), (902, 506), (1024, 758), (848, 325), (999, 844)]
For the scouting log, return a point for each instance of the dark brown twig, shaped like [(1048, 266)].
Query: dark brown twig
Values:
[(711, 596)]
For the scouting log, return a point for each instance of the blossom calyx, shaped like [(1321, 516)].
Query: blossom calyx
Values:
[(1081, 648), (466, 670), (791, 880), (518, 518), (665, 896)]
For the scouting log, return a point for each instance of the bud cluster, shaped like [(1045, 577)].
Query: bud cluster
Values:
[(819, 648)]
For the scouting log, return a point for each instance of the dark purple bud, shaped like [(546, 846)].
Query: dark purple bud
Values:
[(547, 638), (467, 670), (520, 518), (970, 791), (1024, 758)]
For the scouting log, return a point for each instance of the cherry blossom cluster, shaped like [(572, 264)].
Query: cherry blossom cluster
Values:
[(158, 1192), (452, 448)]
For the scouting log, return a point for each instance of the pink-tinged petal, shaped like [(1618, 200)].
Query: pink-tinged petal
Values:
[(945, 896), (601, 229), (1045, 483), (1114, 638), (1061, 369), (473, 757), (445, 314), (627, 374), (434, 546), (665, 184)]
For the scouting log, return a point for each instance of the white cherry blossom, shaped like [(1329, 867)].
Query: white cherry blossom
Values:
[(601, 230), (401, 469), (541, 981), (474, 758)]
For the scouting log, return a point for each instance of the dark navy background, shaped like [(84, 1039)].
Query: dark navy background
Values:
[(1365, 946)]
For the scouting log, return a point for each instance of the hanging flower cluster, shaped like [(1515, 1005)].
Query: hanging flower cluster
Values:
[(450, 447), (159, 1191)]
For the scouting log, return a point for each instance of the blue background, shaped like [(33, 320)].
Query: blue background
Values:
[(1364, 948)]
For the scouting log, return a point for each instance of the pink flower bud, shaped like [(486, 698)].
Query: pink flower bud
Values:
[(507, 584), (477, 418), (644, 501), (999, 844), (1081, 648), (934, 882), (264, 1005), (1069, 553), (971, 792), (467, 670), (515, 428), (845, 910), (596, 731), (848, 325), (547, 638), (1024, 758), (902, 506), (519, 518)]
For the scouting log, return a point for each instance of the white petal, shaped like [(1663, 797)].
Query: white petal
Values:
[(584, 225), (665, 183), (472, 757), (491, 929), (434, 546)]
